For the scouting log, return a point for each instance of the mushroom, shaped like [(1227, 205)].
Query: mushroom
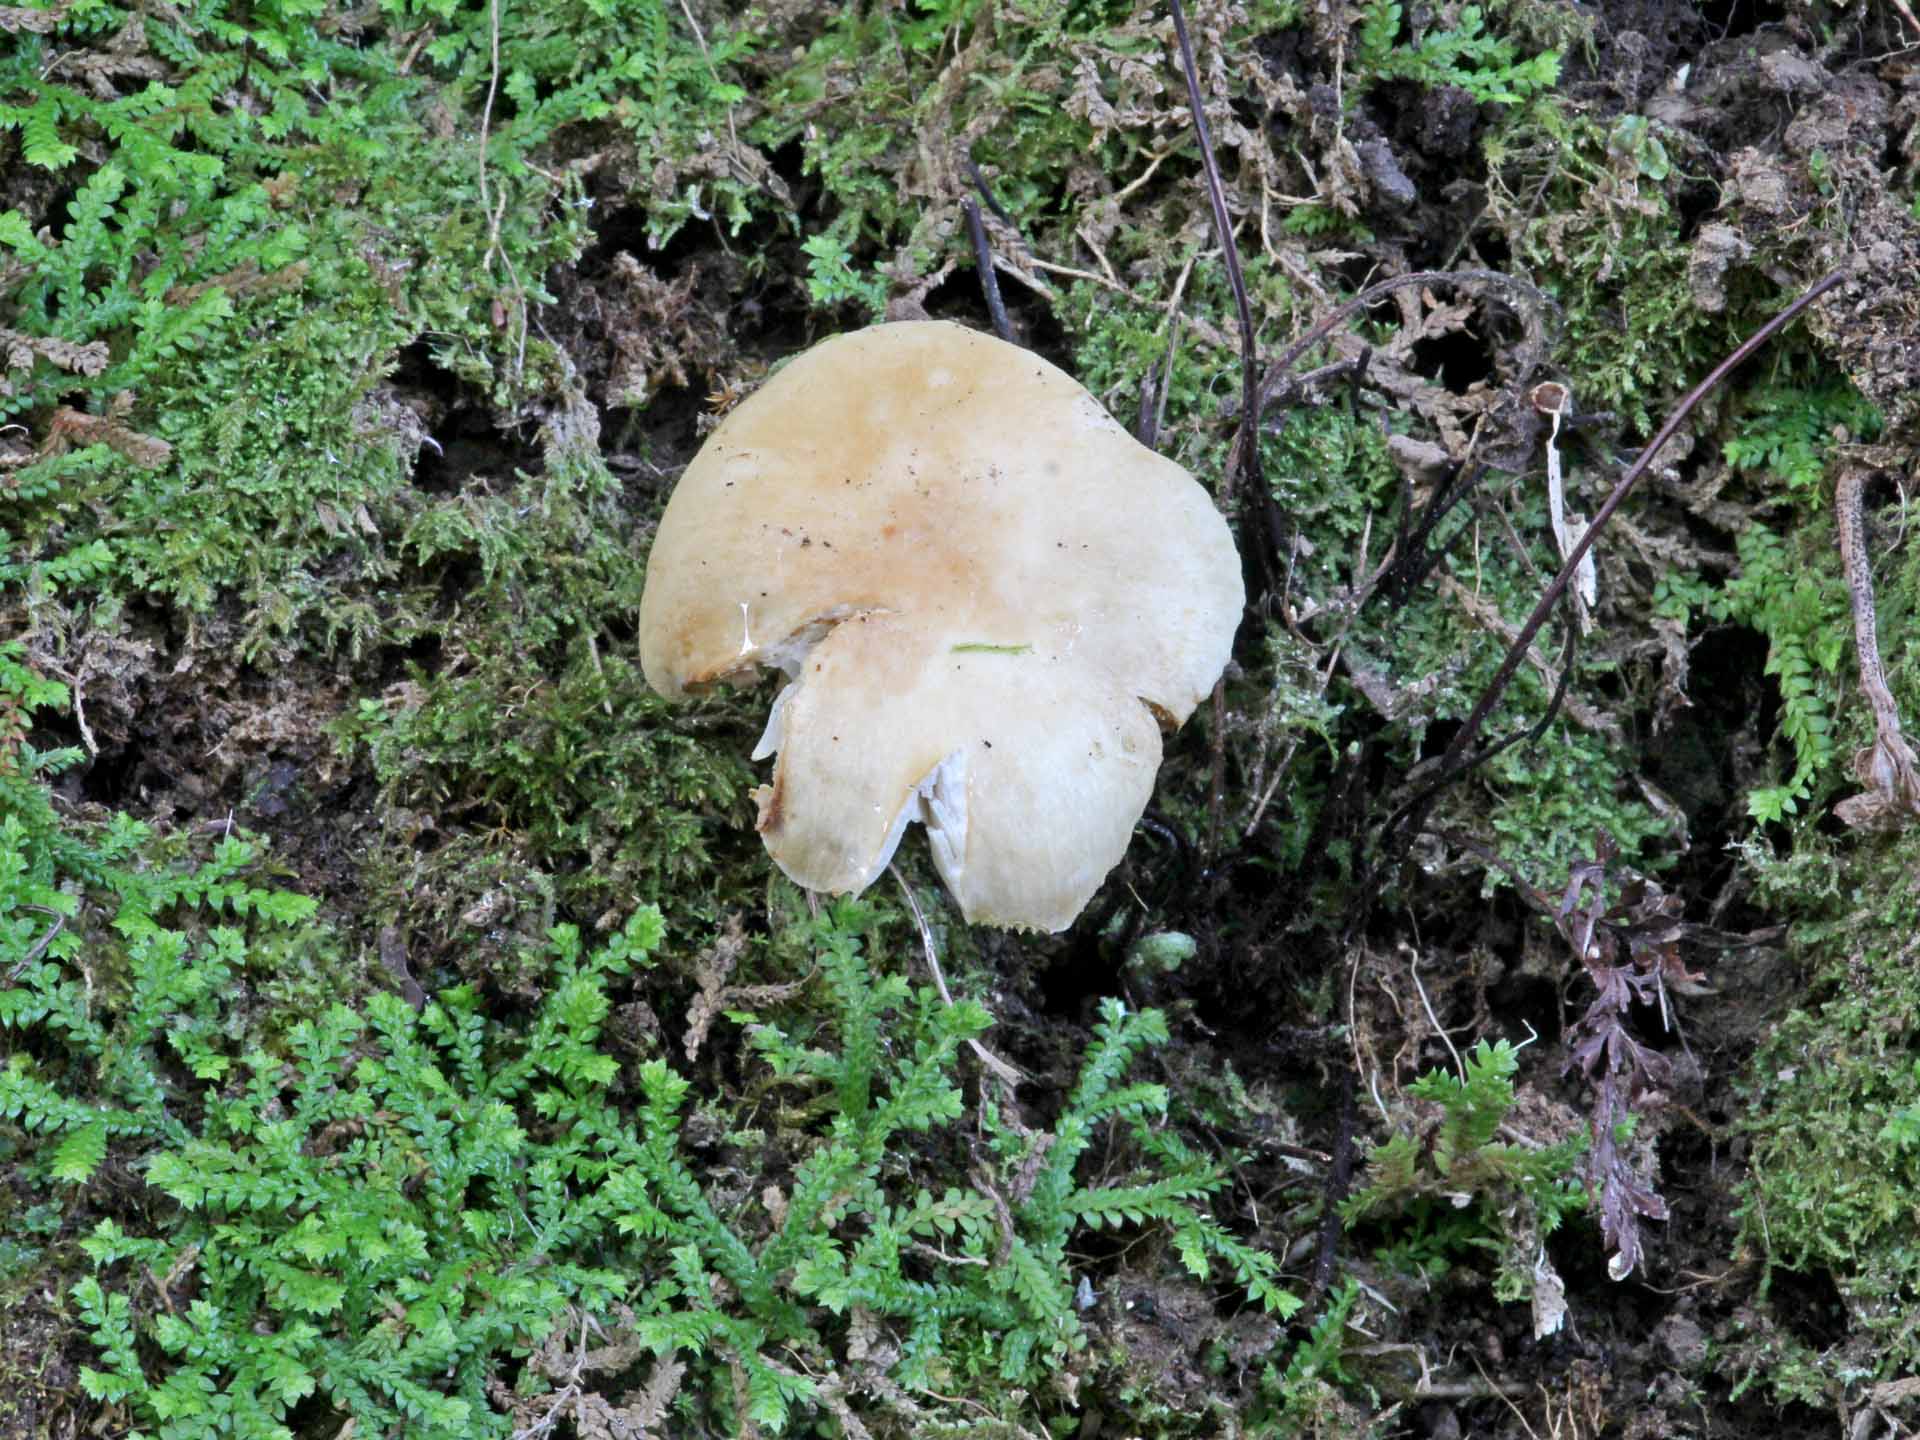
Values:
[(986, 596)]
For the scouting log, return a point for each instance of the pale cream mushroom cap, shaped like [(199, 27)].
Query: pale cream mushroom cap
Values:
[(985, 592)]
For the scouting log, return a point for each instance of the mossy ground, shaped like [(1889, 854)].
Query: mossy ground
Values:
[(350, 358)]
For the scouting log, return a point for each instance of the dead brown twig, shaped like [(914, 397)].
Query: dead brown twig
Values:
[(1888, 767)]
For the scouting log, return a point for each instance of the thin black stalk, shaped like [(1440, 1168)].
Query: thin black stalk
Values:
[(993, 203), (1250, 467), (989, 282), (1455, 762)]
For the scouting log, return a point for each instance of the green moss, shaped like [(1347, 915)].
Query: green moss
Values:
[(1833, 1113), (1329, 467), (532, 743), (1597, 219), (230, 282), (1451, 49), (1419, 1181), (384, 1210)]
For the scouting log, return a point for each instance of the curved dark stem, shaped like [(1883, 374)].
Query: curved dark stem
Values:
[(1246, 463), (1353, 371), (1249, 467), (1357, 374), (1411, 817), (1452, 760), (1456, 761), (1144, 430), (1342, 811), (1158, 826), (1279, 380), (39, 947), (1153, 396), (989, 282), (986, 194)]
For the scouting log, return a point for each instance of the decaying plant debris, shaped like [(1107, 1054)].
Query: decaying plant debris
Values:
[(347, 367)]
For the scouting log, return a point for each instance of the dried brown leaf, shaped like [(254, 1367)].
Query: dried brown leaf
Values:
[(17, 19), (88, 359), (1631, 949), (244, 282), (714, 968), (712, 971), (71, 427)]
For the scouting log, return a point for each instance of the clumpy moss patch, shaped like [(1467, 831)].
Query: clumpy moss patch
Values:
[(1833, 1118), (525, 739)]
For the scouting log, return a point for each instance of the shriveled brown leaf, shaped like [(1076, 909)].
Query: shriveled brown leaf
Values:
[(82, 359), (714, 968), (18, 20), (70, 428), (244, 281)]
